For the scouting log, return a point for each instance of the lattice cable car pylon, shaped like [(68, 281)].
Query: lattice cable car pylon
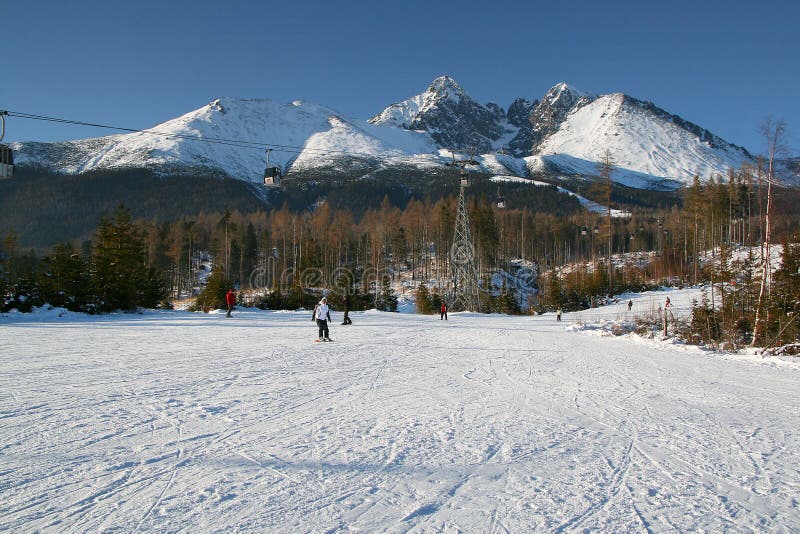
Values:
[(465, 292)]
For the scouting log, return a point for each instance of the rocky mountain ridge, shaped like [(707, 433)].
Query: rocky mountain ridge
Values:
[(565, 132)]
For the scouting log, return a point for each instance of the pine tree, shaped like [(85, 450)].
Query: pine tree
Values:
[(249, 252), (121, 277), (387, 299), (507, 301), (423, 300), (786, 292), (212, 297), (64, 280)]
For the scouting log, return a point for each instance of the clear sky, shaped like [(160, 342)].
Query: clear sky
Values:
[(725, 65)]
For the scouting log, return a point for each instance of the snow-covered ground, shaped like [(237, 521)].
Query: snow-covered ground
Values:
[(172, 421)]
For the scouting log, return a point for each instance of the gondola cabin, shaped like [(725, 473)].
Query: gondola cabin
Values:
[(272, 176), (6, 162)]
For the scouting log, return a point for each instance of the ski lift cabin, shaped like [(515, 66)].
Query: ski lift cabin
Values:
[(272, 173), (6, 162), (501, 200), (272, 176), (464, 179)]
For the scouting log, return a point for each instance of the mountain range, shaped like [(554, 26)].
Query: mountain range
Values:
[(563, 134)]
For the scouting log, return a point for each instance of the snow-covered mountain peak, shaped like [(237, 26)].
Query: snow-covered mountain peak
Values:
[(644, 143), (444, 88), (564, 96), (548, 114), (453, 119), (405, 114), (563, 90)]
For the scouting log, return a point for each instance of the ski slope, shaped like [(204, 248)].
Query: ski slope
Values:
[(180, 422)]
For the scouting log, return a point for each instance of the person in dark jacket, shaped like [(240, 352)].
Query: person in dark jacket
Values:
[(347, 320), (230, 300), (443, 312)]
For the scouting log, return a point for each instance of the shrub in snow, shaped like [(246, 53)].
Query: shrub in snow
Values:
[(212, 297)]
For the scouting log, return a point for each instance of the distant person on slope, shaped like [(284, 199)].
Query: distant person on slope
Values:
[(667, 304), (558, 315), (630, 304), (347, 320), (230, 300), (443, 312), (322, 314)]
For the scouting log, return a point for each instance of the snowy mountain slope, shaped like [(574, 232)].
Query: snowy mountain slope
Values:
[(320, 134), (568, 131), (565, 166), (387, 145), (643, 144), (261, 121)]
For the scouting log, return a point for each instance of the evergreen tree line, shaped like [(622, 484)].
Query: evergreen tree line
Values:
[(110, 272)]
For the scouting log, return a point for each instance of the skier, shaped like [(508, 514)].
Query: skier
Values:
[(322, 314), (443, 312), (347, 320), (667, 304), (630, 304), (230, 300), (558, 315)]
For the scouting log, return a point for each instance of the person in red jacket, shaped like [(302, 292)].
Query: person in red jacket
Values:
[(230, 300), (443, 312)]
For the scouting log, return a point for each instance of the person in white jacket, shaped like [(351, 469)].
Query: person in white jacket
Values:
[(322, 314)]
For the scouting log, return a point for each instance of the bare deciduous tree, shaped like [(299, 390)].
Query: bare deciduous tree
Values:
[(774, 132)]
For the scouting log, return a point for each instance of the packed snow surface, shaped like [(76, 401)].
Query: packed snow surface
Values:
[(172, 421)]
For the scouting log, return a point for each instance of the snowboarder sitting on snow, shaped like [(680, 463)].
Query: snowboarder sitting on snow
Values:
[(443, 312), (322, 314), (230, 300)]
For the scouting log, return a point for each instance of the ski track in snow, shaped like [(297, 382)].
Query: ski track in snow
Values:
[(170, 421)]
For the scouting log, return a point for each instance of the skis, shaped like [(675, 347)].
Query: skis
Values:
[(326, 339)]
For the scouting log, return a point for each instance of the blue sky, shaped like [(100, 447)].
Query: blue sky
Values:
[(725, 65)]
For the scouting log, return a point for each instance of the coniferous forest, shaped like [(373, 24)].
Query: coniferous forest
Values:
[(363, 240)]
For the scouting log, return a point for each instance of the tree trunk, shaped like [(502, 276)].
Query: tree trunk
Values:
[(773, 131)]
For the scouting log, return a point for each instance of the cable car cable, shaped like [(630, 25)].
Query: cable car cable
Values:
[(260, 145)]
